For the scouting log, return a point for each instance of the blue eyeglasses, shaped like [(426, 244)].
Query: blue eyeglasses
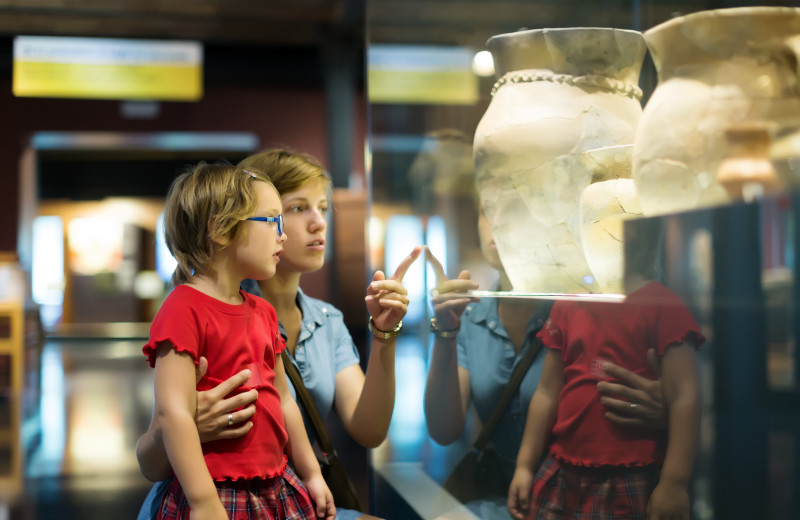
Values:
[(278, 220)]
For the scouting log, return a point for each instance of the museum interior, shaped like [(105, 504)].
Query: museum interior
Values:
[(630, 160)]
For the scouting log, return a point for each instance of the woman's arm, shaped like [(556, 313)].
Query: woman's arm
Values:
[(650, 410), (175, 404), (211, 418), (447, 391), (364, 402), (298, 448), (541, 418), (670, 499)]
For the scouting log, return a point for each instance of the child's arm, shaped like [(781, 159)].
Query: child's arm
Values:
[(175, 407), (541, 418), (299, 450), (670, 499)]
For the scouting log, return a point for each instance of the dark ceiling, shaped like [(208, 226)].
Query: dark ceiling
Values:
[(302, 23), (283, 40)]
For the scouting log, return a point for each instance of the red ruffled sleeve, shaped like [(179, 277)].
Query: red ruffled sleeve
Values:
[(176, 324)]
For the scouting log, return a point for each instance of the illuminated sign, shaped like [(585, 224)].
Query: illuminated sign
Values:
[(103, 68), (412, 74)]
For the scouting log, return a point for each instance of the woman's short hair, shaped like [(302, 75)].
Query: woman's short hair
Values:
[(288, 170), (205, 207)]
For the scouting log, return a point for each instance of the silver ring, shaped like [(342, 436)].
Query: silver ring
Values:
[(230, 419), (633, 406)]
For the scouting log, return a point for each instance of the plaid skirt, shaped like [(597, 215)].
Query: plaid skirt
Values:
[(281, 497), (563, 491)]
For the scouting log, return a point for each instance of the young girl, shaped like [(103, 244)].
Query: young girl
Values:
[(224, 224), (595, 468)]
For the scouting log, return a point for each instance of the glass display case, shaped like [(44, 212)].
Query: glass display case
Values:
[(565, 154)]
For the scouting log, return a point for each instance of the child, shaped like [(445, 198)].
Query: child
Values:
[(594, 467), (223, 224)]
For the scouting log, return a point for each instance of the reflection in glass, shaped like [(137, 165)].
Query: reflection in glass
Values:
[(689, 264), (778, 220)]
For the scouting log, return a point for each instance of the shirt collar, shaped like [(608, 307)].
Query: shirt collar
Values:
[(252, 287), (311, 309)]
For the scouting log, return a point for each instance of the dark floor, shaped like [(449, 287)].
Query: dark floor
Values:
[(93, 399), (79, 433)]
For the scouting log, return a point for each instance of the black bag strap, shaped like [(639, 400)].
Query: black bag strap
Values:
[(502, 402), (311, 409)]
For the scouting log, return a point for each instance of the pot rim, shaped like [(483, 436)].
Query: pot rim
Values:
[(728, 12), (541, 30)]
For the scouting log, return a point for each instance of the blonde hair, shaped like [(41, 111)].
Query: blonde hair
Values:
[(288, 170), (204, 209)]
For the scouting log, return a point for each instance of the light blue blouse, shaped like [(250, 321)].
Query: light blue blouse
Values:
[(486, 351), (324, 347)]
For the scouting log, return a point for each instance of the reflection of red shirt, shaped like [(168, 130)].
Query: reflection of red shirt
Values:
[(589, 333), (232, 338)]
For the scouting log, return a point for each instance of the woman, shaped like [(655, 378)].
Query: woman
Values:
[(317, 339), (477, 344)]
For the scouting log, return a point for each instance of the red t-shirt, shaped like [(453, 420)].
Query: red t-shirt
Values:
[(232, 338), (590, 333)]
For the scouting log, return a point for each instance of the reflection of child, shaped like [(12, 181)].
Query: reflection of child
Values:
[(223, 225), (593, 465)]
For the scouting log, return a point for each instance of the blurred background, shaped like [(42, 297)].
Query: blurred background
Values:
[(90, 144)]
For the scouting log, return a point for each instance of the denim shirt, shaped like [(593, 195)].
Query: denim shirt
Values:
[(486, 351), (324, 347)]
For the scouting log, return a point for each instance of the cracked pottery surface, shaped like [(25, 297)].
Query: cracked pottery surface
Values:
[(560, 92), (604, 206)]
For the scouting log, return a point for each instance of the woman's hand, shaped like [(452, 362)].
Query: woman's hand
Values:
[(446, 307), (213, 410), (387, 300), (637, 401)]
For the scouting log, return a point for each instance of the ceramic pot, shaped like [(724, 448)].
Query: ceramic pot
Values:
[(746, 171), (559, 92), (604, 206), (716, 69)]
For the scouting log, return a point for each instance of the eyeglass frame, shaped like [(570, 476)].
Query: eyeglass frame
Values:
[(278, 220)]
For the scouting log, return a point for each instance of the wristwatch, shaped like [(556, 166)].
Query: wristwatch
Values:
[(443, 333), (385, 334)]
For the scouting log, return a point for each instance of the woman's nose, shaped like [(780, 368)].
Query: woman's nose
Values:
[(318, 220)]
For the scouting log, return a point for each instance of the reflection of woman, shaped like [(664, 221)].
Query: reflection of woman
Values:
[(317, 339), (474, 366)]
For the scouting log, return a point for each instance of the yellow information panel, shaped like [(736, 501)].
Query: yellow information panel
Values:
[(415, 74), (102, 68)]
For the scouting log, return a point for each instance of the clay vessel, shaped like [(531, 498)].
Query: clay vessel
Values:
[(559, 93), (716, 69), (604, 206)]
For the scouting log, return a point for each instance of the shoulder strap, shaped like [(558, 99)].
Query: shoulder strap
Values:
[(502, 402), (308, 404)]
